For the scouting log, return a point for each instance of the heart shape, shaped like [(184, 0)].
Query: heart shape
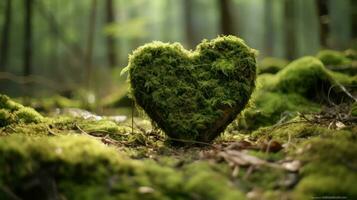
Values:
[(193, 95)]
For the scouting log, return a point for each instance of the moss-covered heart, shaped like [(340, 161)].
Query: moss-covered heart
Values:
[(193, 95)]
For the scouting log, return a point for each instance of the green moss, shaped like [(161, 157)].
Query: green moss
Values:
[(27, 115), (330, 166), (8, 104), (331, 57), (48, 104), (5, 118), (77, 167), (351, 53), (306, 76), (271, 65), (12, 112), (193, 95), (293, 132), (271, 107)]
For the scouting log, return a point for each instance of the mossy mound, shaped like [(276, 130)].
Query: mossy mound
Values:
[(271, 65), (332, 57), (271, 108), (305, 85), (307, 77), (76, 167), (193, 95), (345, 62), (331, 165), (12, 112)]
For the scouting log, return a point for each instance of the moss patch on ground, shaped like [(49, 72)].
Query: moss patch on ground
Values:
[(78, 167), (12, 112), (304, 86)]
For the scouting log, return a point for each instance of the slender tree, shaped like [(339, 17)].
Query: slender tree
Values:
[(5, 35), (290, 32), (90, 41), (28, 46), (323, 14), (189, 26), (354, 19), (269, 26), (111, 47), (226, 17)]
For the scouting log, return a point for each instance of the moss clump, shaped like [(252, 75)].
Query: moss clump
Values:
[(331, 57), (27, 115), (76, 167), (306, 76), (12, 112), (193, 95), (271, 65), (271, 107), (330, 168), (5, 118), (7, 104)]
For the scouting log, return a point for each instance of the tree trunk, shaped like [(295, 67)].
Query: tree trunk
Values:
[(269, 27), (28, 37), (111, 50), (189, 26), (290, 31), (90, 42), (4, 50), (322, 10), (354, 19), (226, 17)]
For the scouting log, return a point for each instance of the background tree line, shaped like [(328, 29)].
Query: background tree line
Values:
[(63, 45)]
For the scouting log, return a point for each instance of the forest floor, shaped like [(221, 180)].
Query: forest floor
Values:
[(289, 143)]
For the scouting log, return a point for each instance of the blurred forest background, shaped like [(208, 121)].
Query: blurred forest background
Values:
[(77, 49)]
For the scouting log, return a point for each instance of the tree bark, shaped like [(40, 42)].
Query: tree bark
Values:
[(90, 41), (354, 19), (226, 17), (323, 15), (189, 27), (269, 27), (290, 31), (4, 50), (111, 47), (28, 46)]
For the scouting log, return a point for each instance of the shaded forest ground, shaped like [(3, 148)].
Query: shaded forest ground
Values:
[(295, 140)]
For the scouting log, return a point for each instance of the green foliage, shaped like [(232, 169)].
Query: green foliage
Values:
[(271, 65), (193, 95)]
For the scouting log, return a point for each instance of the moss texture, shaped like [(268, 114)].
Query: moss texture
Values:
[(76, 167), (193, 95), (307, 77), (331, 165), (12, 112), (271, 65), (332, 57)]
